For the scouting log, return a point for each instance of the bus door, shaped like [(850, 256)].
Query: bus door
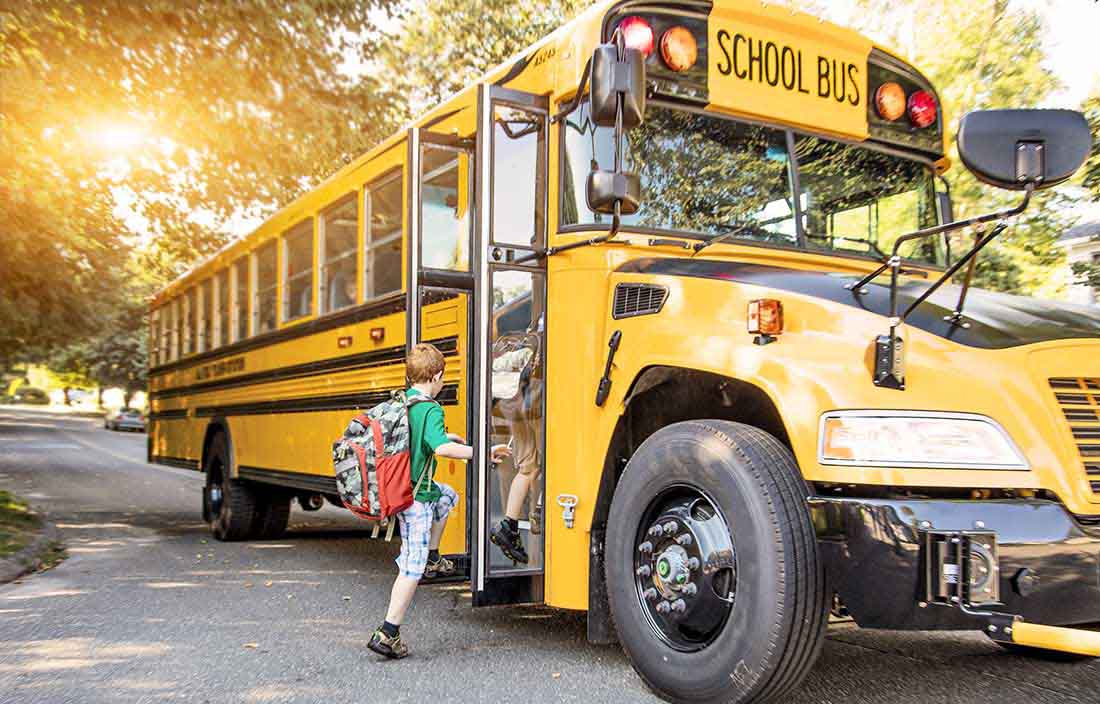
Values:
[(439, 294), (510, 304)]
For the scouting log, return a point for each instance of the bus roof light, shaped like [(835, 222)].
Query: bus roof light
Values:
[(922, 108), (890, 101), (678, 48), (637, 34)]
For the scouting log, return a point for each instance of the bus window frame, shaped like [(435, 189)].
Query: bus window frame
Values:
[(792, 134), (323, 262), (366, 275), (254, 287), (284, 279), (204, 324), (237, 308)]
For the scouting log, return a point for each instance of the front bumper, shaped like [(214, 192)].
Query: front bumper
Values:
[(872, 549)]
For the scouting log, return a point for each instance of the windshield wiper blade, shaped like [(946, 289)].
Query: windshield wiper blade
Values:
[(715, 239), (859, 240)]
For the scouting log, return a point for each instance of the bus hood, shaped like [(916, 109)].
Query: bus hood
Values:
[(996, 320)]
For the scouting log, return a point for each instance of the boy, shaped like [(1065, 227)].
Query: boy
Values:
[(423, 522)]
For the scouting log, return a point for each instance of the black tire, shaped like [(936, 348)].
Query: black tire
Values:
[(272, 515), (238, 516), (775, 627)]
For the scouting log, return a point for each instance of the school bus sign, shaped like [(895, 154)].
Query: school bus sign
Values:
[(769, 64)]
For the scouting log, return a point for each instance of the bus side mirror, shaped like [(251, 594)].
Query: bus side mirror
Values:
[(1016, 148), (613, 80), (617, 99)]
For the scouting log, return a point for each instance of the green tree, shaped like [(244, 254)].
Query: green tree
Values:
[(438, 48), (983, 55), (191, 111)]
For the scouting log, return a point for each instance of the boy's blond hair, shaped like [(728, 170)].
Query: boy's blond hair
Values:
[(424, 362)]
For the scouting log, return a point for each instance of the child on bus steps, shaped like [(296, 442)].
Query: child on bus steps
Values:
[(422, 523)]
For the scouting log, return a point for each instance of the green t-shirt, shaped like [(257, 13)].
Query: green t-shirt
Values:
[(426, 433)]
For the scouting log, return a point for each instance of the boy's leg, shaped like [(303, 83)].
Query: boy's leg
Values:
[(439, 566), (415, 523)]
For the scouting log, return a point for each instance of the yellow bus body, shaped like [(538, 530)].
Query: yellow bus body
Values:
[(821, 362)]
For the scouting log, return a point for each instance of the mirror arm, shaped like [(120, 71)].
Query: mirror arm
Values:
[(963, 260), (575, 103), (938, 229)]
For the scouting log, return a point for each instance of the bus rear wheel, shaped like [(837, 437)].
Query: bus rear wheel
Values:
[(230, 506), (713, 575)]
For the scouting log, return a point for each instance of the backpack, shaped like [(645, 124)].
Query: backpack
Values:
[(371, 462)]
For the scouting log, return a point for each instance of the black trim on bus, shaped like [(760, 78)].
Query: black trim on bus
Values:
[(294, 480), (391, 303), (352, 362), (314, 404), (168, 414), (179, 462)]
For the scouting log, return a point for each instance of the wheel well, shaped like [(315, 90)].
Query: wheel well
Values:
[(213, 429), (658, 397)]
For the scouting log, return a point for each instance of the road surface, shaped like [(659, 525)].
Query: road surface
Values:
[(149, 608)]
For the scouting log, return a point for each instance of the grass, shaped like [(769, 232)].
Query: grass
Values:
[(18, 525)]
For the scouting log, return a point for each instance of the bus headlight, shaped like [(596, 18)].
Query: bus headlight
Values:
[(916, 439)]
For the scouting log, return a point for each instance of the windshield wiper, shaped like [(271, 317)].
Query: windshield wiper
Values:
[(871, 246), (715, 239)]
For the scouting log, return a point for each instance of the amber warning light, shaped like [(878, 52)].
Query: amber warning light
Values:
[(765, 317)]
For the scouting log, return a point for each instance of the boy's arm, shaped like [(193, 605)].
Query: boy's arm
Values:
[(435, 436)]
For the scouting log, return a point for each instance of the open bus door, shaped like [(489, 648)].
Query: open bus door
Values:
[(510, 324), (440, 291)]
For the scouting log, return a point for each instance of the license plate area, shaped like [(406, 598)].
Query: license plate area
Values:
[(961, 568)]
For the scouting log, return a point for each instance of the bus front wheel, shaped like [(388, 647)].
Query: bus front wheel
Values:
[(713, 575)]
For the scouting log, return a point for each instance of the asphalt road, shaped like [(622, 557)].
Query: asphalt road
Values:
[(148, 608)]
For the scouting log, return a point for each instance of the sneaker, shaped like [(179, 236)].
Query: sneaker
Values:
[(509, 543), (392, 648), (440, 568)]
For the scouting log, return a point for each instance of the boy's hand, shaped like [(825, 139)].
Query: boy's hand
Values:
[(455, 437), (499, 452)]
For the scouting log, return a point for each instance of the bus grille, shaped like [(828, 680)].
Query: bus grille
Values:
[(1079, 399)]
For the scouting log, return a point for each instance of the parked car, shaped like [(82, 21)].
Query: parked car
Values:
[(125, 419), (31, 395)]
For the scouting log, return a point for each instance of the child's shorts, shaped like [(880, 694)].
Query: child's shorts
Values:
[(415, 523)]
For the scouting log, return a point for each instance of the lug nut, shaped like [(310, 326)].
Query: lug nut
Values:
[(670, 527), (684, 539), (689, 589), (646, 547), (650, 594), (643, 571), (654, 531), (679, 606), (663, 607), (693, 563)]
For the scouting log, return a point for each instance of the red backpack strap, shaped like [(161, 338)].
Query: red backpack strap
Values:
[(379, 446)]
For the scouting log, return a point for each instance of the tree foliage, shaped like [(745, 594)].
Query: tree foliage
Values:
[(437, 48), (191, 112)]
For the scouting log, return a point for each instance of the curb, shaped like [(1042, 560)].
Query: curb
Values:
[(27, 560)]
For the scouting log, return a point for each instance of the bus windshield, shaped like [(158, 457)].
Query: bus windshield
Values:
[(708, 175)]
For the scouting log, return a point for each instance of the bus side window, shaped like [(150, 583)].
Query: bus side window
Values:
[(240, 298), (338, 243), (263, 305), (298, 271), (206, 316), (382, 258), (221, 324), (189, 309)]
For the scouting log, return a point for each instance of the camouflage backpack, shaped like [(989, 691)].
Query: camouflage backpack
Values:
[(371, 461)]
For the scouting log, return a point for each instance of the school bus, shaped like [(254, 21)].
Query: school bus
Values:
[(694, 258)]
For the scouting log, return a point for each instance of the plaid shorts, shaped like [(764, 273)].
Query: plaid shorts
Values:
[(415, 523)]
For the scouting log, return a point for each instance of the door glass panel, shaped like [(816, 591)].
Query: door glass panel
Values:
[(518, 208), (515, 485), (445, 209)]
